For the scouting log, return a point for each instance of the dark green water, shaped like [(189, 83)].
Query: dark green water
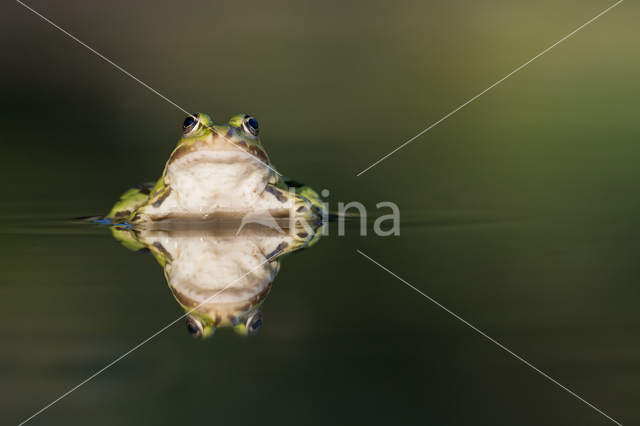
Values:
[(519, 212)]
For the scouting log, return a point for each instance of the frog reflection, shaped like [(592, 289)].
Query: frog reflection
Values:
[(220, 279)]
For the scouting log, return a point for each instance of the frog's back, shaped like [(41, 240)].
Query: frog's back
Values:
[(304, 190), (130, 201)]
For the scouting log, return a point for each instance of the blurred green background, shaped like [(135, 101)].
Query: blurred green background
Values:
[(519, 211)]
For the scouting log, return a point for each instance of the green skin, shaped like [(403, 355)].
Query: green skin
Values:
[(246, 180)]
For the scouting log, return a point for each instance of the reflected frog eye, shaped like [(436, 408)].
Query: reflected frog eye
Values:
[(254, 323), (190, 125), (251, 125), (194, 326)]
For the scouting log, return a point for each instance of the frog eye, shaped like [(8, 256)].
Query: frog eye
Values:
[(190, 125), (254, 322), (194, 326), (251, 125)]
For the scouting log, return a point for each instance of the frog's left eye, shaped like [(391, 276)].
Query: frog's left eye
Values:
[(194, 326), (251, 125), (254, 323), (190, 125)]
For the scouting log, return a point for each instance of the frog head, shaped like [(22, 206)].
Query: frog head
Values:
[(218, 166), (204, 326), (220, 282), (215, 168), (218, 276)]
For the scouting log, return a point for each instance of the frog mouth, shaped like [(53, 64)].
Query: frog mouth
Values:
[(219, 156), (214, 152)]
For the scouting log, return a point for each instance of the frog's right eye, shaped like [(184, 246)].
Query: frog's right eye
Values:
[(190, 125), (194, 326), (251, 125), (254, 322)]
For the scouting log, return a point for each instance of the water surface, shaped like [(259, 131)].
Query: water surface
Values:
[(519, 212)]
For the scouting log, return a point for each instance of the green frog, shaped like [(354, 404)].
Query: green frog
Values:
[(219, 276), (217, 171)]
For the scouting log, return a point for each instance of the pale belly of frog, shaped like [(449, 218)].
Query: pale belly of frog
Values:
[(221, 183), (219, 281)]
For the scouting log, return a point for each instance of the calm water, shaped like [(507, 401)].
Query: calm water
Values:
[(342, 341), (519, 213)]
